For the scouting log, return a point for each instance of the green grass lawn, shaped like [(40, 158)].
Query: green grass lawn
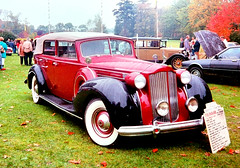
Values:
[(34, 135)]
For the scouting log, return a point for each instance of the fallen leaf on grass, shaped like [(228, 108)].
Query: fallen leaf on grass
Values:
[(6, 156), (5, 140), (1, 125), (237, 151), (213, 88), (231, 151), (70, 133), (155, 150), (53, 114), (75, 161), (54, 122), (23, 124), (234, 116), (63, 121), (232, 106), (104, 164), (183, 155), (207, 154), (29, 150), (109, 152), (100, 152)]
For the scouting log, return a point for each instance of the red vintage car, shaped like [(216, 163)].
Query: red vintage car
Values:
[(97, 78)]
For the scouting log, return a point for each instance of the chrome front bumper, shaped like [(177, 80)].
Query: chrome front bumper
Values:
[(160, 128)]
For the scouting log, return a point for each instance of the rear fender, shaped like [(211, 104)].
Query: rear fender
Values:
[(36, 70), (82, 76), (121, 102)]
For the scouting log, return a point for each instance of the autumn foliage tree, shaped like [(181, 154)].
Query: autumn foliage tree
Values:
[(200, 11), (226, 20)]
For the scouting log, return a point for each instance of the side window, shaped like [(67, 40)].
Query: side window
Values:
[(231, 53), (121, 47), (67, 50), (96, 47), (49, 48)]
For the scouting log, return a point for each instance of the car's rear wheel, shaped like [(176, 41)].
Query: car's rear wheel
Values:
[(177, 62), (196, 71), (35, 91), (98, 124)]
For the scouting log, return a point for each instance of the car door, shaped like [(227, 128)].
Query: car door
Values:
[(65, 67), (227, 62), (45, 61)]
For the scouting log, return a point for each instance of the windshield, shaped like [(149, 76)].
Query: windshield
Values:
[(101, 47)]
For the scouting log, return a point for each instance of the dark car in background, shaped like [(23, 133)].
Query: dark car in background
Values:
[(224, 64), (221, 61)]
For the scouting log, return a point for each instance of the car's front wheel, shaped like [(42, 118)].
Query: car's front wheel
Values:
[(98, 124), (35, 89), (196, 71), (177, 62)]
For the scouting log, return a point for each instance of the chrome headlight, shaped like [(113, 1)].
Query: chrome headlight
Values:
[(192, 104), (140, 81), (162, 108), (186, 77)]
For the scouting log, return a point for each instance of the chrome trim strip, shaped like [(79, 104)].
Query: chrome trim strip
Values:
[(160, 128)]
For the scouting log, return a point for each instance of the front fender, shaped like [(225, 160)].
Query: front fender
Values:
[(36, 70), (199, 89), (120, 101)]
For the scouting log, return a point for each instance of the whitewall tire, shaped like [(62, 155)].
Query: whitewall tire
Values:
[(98, 124), (35, 94)]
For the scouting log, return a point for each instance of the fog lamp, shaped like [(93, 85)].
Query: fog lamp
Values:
[(192, 104), (162, 108)]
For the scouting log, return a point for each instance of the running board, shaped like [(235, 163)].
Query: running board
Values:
[(60, 104)]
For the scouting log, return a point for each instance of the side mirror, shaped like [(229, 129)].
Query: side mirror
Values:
[(216, 57)]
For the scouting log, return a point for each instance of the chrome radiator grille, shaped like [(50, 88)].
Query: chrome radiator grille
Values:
[(163, 87)]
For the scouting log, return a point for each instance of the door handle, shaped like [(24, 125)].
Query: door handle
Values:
[(234, 60), (55, 63)]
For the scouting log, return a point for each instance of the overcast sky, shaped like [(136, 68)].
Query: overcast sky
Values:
[(78, 12)]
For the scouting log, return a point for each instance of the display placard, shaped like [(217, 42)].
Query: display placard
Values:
[(216, 126)]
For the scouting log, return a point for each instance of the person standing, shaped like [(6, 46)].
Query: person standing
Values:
[(1, 49), (181, 43), (197, 48), (4, 45), (21, 52), (27, 49), (187, 45), (192, 45)]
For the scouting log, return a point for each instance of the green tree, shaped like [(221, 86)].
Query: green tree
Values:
[(59, 27), (82, 28), (42, 29), (7, 35), (174, 20), (69, 27), (145, 20), (125, 18)]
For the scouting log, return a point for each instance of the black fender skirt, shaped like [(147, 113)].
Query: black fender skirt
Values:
[(121, 101), (199, 89), (36, 70)]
